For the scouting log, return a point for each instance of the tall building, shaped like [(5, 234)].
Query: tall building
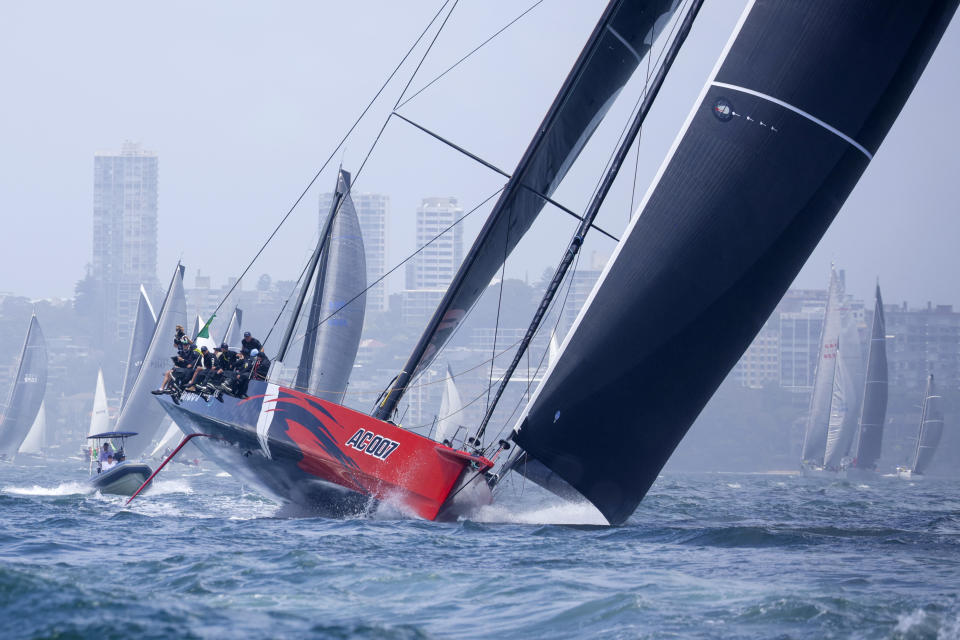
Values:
[(430, 272), (920, 342), (372, 211), (124, 231)]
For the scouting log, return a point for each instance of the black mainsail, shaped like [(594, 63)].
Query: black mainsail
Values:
[(26, 393), (874, 411), (931, 428), (799, 102), (622, 38)]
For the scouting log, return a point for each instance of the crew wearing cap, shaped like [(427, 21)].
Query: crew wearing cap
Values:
[(249, 343), (204, 367)]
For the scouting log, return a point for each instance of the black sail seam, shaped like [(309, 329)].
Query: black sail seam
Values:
[(798, 111)]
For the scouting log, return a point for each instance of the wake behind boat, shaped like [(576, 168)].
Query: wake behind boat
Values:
[(114, 474)]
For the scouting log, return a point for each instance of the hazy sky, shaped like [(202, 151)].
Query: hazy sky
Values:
[(243, 101)]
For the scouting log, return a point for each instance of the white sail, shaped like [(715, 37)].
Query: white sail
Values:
[(450, 407), (100, 417), (36, 440), (142, 413), (815, 436), (170, 437), (840, 428), (234, 333), (554, 350), (207, 342)]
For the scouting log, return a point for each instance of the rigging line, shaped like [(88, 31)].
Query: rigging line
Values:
[(333, 153), (477, 48), (496, 324), (636, 164), (502, 173), (426, 53), (407, 259), (543, 356)]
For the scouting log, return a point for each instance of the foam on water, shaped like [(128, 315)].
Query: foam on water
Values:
[(62, 489), (559, 512)]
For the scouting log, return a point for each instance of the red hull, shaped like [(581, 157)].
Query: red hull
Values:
[(299, 436)]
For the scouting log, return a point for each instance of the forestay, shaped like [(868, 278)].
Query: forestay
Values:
[(798, 104)]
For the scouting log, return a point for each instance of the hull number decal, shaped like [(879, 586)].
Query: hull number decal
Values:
[(372, 444)]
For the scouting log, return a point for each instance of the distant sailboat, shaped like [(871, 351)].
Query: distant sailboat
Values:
[(140, 413), (37, 440), (169, 438), (928, 437), (874, 407), (449, 418), (234, 332), (839, 430), (100, 416), (26, 392), (143, 327)]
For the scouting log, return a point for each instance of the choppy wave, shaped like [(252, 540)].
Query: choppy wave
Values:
[(705, 556)]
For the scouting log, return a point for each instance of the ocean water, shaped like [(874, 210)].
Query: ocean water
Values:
[(705, 556)]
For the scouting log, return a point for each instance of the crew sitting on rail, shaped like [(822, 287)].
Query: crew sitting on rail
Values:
[(249, 343), (174, 379), (202, 370)]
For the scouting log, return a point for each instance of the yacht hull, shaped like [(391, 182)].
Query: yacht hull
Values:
[(325, 459)]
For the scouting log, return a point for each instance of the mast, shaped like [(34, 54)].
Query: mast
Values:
[(593, 209), (623, 35)]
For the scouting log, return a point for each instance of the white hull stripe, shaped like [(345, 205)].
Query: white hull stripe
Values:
[(797, 111)]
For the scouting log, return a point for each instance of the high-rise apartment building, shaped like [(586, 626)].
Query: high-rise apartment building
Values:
[(372, 211), (124, 231), (430, 272)]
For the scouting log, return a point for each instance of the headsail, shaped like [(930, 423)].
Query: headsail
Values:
[(931, 428), (874, 411), (142, 413), (26, 392), (100, 416), (234, 333), (799, 102), (36, 440), (620, 41), (144, 326), (839, 431), (818, 418), (450, 407), (333, 326)]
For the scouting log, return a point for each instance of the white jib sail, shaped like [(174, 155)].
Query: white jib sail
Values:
[(450, 407), (170, 438), (100, 416), (36, 440)]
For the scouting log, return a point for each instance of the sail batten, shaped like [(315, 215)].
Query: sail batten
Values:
[(748, 190)]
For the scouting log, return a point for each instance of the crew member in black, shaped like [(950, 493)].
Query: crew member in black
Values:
[(183, 365), (261, 365), (249, 343), (181, 340), (203, 369), (230, 376)]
